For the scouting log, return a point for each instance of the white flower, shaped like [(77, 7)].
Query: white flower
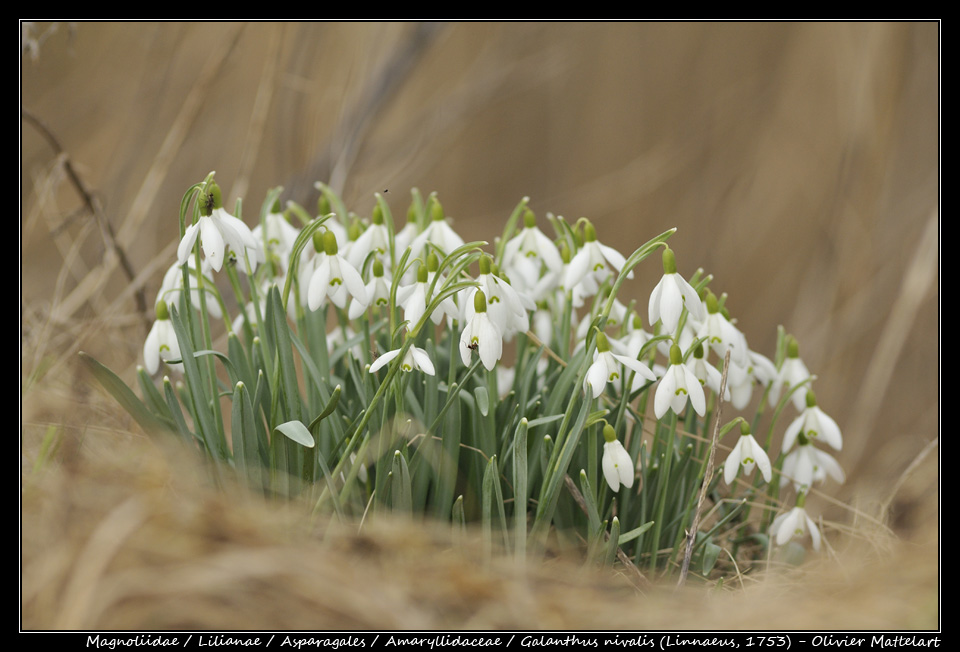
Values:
[(747, 453), (413, 298), (792, 373), (173, 283), (671, 296), (808, 464), (676, 385), (708, 375), (437, 232), (722, 335), (590, 261), (618, 468), (277, 235), (377, 292), (524, 253), (606, 368), (815, 424), (331, 274), (481, 335), (795, 523), (218, 230), (507, 308), (741, 379), (161, 342), (414, 358), (375, 238)]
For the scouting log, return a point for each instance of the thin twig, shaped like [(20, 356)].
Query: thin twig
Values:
[(92, 202), (692, 533), (578, 498)]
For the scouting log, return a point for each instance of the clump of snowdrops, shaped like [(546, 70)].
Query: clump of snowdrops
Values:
[(369, 367)]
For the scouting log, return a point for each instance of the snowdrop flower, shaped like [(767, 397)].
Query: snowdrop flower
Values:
[(437, 232), (747, 453), (792, 373), (217, 229), (375, 238), (277, 235), (759, 368), (618, 468), (331, 274), (507, 308), (591, 260), (413, 298), (161, 342), (795, 523), (447, 307), (671, 296), (377, 293), (414, 358), (606, 368), (808, 464), (481, 335), (708, 375), (528, 251), (721, 334), (172, 284), (676, 385), (815, 424)]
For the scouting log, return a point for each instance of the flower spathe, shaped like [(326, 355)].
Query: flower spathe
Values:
[(618, 468)]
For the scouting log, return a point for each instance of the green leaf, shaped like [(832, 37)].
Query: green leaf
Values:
[(613, 544), (542, 421), (296, 431), (634, 533), (245, 439), (150, 422), (401, 490), (520, 487), (710, 554), (483, 401), (593, 516), (329, 409)]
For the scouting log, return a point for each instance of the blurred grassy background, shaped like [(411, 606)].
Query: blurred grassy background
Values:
[(799, 162)]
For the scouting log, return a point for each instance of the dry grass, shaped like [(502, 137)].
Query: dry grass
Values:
[(799, 162)]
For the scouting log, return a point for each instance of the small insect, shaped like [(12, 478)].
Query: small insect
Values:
[(473, 346), (386, 190), (208, 202)]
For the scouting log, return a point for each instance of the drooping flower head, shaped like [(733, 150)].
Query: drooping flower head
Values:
[(217, 230), (618, 468), (481, 335), (815, 424), (795, 523), (746, 454), (161, 342), (606, 368), (332, 276), (671, 295), (676, 385)]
